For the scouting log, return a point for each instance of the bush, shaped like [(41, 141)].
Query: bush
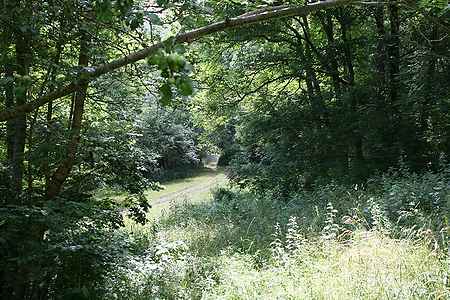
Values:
[(60, 249), (417, 204)]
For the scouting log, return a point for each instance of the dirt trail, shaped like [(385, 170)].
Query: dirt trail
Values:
[(189, 191)]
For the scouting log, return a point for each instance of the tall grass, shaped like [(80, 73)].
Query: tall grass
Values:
[(369, 266), (384, 241)]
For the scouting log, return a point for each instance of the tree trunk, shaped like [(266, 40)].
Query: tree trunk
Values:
[(345, 23), (303, 50), (9, 103), (380, 55), (30, 147), (310, 72), (64, 168), (45, 164), (357, 167), (394, 52), (333, 66), (395, 117), (428, 93), (18, 126), (428, 121), (49, 115), (386, 154)]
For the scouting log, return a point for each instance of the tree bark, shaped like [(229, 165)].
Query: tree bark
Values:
[(45, 164), (312, 84), (394, 52), (393, 85), (380, 55), (30, 146), (9, 104), (358, 162), (311, 73), (333, 66), (49, 114), (62, 172), (429, 81), (18, 125), (345, 23), (429, 120)]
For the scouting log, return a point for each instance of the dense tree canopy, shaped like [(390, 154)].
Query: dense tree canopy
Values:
[(344, 93)]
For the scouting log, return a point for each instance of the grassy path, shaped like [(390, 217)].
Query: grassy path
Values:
[(192, 189)]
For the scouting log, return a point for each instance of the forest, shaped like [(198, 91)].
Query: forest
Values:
[(234, 149)]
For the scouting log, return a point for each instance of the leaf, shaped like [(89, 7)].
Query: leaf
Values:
[(162, 2), (166, 94), (103, 10), (179, 48), (154, 19), (159, 59), (20, 91), (136, 20), (185, 86), (176, 62), (169, 41)]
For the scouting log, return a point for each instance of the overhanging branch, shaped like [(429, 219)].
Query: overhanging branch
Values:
[(91, 73)]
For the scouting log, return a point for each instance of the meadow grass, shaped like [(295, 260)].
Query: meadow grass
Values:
[(200, 178), (193, 190), (369, 266), (242, 246)]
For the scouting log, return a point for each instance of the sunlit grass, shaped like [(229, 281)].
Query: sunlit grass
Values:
[(203, 176), (372, 266), (162, 209), (193, 190), (369, 265), (231, 249)]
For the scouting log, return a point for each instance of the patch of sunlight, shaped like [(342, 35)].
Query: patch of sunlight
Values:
[(203, 177), (372, 266)]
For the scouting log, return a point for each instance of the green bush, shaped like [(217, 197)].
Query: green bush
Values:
[(59, 250)]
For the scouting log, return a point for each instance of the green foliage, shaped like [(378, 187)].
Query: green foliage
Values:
[(175, 71), (106, 10), (299, 113), (433, 5), (246, 245), (308, 106), (77, 248), (240, 244), (418, 203)]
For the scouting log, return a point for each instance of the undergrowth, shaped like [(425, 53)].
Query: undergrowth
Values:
[(385, 240)]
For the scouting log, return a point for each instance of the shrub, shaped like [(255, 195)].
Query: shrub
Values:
[(60, 249)]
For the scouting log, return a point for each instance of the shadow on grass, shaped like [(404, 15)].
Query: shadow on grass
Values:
[(243, 225)]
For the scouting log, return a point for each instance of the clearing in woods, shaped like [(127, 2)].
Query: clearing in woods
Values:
[(194, 189)]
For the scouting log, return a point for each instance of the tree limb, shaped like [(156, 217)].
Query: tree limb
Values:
[(90, 73)]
